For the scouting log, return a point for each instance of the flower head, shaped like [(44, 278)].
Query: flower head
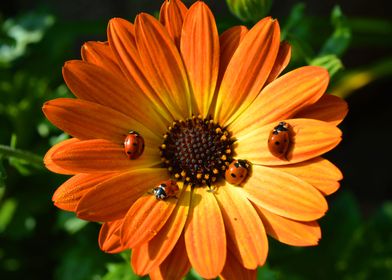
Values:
[(205, 106)]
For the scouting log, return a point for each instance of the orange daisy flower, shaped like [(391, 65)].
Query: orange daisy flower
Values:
[(206, 114)]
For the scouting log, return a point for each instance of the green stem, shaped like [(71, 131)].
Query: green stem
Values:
[(29, 157)]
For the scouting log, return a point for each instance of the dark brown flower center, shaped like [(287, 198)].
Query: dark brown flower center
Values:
[(196, 151)]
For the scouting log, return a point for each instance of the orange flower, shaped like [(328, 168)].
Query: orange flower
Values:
[(199, 101)]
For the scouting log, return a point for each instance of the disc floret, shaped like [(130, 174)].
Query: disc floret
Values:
[(196, 150)]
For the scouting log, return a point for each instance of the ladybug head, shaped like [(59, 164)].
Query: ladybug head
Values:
[(242, 163), (281, 127)]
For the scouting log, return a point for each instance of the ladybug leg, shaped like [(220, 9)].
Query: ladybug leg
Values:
[(212, 189)]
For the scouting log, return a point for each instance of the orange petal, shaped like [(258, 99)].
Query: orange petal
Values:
[(100, 54), (283, 98), (145, 219), (113, 91), (153, 253), (248, 70), (229, 41), (49, 164), (244, 226), (235, 270), (289, 231), (318, 172), (172, 15), (87, 120), (284, 194), (309, 138), (68, 195), (109, 237), (175, 266), (205, 236), (163, 65), (112, 199), (282, 60), (96, 156), (329, 108), (200, 51), (121, 34)]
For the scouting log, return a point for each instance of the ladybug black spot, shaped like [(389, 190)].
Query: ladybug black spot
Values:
[(233, 175), (277, 143), (129, 153)]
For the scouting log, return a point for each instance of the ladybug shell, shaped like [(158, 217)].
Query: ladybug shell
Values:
[(134, 145), (236, 172), (279, 140), (171, 188)]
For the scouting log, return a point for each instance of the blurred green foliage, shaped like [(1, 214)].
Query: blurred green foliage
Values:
[(18, 33), (249, 10), (41, 242)]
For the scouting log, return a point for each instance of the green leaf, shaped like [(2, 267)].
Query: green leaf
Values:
[(193, 275), (57, 139), (295, 17), (340, 39), (330, 62), (20, 158), (119, 271), (7, 210), (3, 176), (376, 241), (70, 223), (80, 258), (301, 50), (266, 273), (249, 10), (24, 30)]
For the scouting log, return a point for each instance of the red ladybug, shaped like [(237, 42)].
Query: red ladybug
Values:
[(279, 140), (166, 189), (237, 171), (133, 145)]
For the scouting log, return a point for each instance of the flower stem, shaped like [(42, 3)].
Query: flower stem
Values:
[(29, 157)]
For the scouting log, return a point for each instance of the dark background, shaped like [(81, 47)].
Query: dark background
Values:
[(359, 221)]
